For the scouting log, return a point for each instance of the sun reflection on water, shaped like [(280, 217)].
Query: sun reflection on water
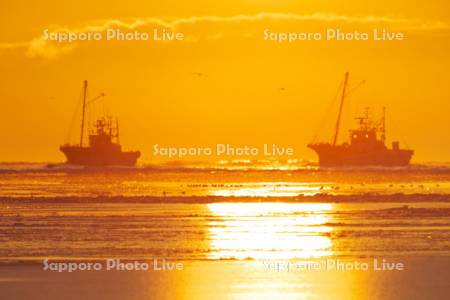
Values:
[(271, 189), (269, 230)]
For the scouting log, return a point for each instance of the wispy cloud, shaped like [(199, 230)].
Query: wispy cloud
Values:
[(14, 45), (321, 17), (40, 47)]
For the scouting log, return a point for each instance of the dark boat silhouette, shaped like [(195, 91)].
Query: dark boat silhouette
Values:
[(104, 147), (367, 144)]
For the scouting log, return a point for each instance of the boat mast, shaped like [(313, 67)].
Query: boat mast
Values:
[(338, 123), (117, 131), (83, 112)]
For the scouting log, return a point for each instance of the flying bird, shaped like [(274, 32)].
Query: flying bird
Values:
[(199, 74)]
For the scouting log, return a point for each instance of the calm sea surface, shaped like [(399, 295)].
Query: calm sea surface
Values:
[(191, 215)]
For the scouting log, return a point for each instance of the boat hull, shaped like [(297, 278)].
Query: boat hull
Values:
[(96, 157), (346, 155)]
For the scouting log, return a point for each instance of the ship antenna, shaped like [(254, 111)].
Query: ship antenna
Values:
[(83, 111), (383, 125), (338, 123)]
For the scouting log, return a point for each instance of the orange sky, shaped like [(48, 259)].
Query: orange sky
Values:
[(152, 88)]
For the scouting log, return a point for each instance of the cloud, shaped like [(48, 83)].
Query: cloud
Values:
[(202, 26), (39, 47), (321, 17), (13, 45)]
